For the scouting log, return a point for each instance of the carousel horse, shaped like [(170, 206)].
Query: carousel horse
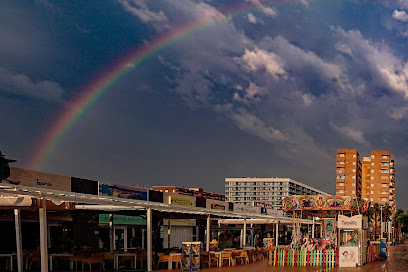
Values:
[(324, 244)]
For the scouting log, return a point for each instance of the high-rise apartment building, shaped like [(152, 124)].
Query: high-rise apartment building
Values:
[(267, 190), (379, 180), (349, 173), (372, 178)]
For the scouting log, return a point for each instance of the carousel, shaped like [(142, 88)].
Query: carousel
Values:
[(343, 228)]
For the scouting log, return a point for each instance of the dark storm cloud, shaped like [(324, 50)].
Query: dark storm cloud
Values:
[(272, 94)]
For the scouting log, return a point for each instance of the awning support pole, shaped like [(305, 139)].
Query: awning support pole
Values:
[(277, 234), (207, 248), (244, 235), (313, 227), (43, 236), (17, 221), (149, 240)]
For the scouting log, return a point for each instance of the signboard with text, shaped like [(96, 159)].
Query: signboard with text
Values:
[(354, 222), (122, 219), (181, 201)]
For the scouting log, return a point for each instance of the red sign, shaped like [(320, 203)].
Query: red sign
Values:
[(262, 205), (217, 206)]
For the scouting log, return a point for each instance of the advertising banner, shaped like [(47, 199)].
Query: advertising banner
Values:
[(246, 209), (181, 201), (216, 204), (129, 192), (262, 205)]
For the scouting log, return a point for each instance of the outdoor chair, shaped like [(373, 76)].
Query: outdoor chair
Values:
[(252, 255), (34, 257), (227, 256), (243, 257), (163, 258), (78, 256), (259, 253), (209, 258), (176, 259), (97, 258)]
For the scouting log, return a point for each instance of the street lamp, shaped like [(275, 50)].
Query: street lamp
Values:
[(381, 222)]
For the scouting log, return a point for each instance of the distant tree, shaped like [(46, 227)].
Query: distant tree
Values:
[(377, 212)]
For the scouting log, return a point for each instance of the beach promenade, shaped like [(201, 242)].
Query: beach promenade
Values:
[(396, 262)]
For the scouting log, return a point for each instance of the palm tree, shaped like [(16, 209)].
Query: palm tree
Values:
[(370, 215), (377, 211)]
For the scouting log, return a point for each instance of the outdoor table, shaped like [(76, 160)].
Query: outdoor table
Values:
[(124, 254), (171, 254), (11, 255), (219, 256), (51, 257)]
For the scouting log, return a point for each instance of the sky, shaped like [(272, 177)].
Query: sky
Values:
[(239, 88)]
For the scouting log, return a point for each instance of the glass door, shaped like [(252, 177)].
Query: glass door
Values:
[(120, 241)]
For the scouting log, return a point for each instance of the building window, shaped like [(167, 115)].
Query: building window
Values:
[(341, 154), (341, 191), (354, 170), (372, 156), (372, 171), (384, 171), (354, 156), (372, 178), (353, 177), (353, 192), (354, 163), (372, 185)]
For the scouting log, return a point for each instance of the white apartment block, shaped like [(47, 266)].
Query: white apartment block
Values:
[(267, 190)]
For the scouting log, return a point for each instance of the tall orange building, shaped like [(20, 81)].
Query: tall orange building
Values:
[(349, 169), (372, 178)]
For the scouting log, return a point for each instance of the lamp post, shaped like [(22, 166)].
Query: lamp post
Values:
[(381, 223)]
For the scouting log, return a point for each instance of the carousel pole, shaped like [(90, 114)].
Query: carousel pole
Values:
[(313, 227)]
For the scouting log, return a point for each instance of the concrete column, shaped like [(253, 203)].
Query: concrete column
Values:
[(111, 234), (149, 240), (207, 245), (277, 234), (313, 227), (244, 236), (43, 236), (17, 221)]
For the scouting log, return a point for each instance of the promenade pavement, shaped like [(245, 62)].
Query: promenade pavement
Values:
[(396, 262)]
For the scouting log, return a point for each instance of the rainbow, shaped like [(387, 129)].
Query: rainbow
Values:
[(90, 95)]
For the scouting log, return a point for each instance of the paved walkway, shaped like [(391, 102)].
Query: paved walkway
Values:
[(396, 262)]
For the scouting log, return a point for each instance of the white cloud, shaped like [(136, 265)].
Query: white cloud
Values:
[(387, 70), (270, 11), (22, 85), (350, 133), (252, 18), (400, 15), (140, 10), (399, 113), (299, 59), (343, 48), (252, 94), (250, 123), (261, 59)]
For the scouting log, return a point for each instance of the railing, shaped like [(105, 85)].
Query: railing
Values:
[(283, 257), (371, 250)]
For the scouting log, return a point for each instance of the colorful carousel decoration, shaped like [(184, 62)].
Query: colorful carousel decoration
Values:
[(328, 208)]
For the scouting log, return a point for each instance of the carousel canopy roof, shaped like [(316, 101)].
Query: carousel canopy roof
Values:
[(320, 203)]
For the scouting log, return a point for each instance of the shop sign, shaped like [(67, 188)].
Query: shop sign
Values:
[(181, 201), (217, 207), (122, 219), (354, 222), (246, 209), (274, 213), (262, 205), (183, 222)]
